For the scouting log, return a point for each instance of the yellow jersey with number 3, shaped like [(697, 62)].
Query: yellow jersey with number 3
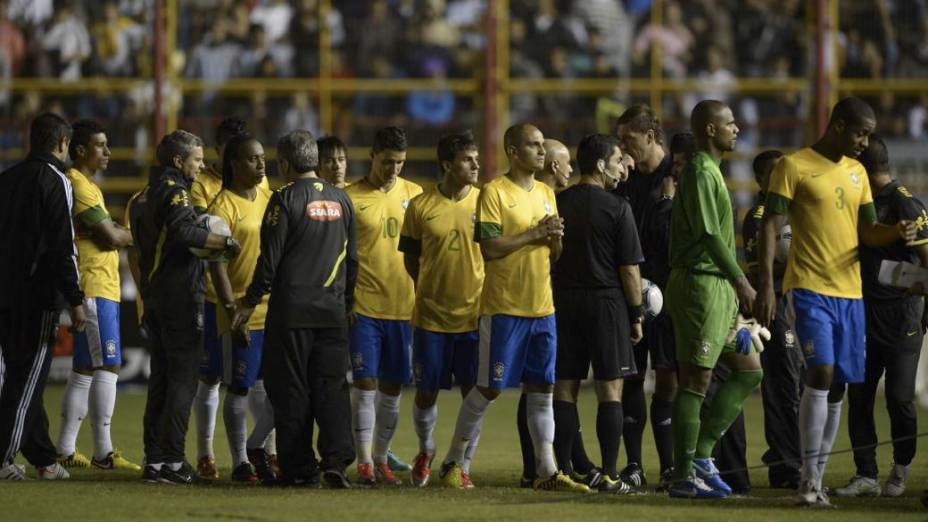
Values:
[(441, 231), (824, 201), (518, 284), (99, 267), (244, 218), (383, 289)]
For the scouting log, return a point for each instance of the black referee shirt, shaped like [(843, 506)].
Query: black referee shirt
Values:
[(893, 203), (599, 237)]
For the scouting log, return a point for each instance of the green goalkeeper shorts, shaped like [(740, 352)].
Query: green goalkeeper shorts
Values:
[(703, 309)]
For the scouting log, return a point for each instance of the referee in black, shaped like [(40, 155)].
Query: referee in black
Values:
[(173, 287), (895, 329), (308, 263), (597, 294), (37, 268)]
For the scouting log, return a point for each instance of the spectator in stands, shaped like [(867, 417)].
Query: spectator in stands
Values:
[(275, 16), (304, 35), (68, 42), (609, 18), (12, 43), (380, 35), (216, 57), (436, 106), (918, 118), (675, 39), (300, 114), (116, 37)]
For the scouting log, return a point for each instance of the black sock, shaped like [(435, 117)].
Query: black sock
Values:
[(636, 415), (609, 419), (578, 458), (661, 413), (565, 429), (525, 441)]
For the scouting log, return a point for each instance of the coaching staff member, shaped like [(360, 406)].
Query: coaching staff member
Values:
[(308, 264), (37, 266), (173, 288)]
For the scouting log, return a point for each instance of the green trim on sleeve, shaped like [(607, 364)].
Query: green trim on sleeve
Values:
[(410, 245), (868, 213), (777, 204), (487, 231), (92, 216)]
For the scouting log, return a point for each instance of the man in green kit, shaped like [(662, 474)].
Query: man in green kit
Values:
[(704, 290)]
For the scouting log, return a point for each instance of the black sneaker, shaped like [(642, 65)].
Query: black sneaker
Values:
[(593, 478), (185, 475), (666, 480), (614, 487), (262, 464), (151, 474), (336, 479), (633, 475), (245, 473), (312, 482)]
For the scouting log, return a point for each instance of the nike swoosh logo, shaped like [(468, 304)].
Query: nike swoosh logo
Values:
[(817, 175), (360, 208), (514, 204), (910, 334), (429, 218)]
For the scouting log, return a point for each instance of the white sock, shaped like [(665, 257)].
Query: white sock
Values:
[(388, 413), (270, 443), (467, 427), (471, 449), (262, 414), (362, 412), (828, 437), (424, 421), (73, 411), (813, 414), (234, 415), (539, 410), (102, 404), (206, 404)]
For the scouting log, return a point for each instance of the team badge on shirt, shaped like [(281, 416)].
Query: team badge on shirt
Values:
[(548, 208), (499, 369), (405, 203), (110, 348), (357, 360), (855, 179), (789, 339), (705, 347)]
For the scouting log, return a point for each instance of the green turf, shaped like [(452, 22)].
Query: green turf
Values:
[(122, 496)]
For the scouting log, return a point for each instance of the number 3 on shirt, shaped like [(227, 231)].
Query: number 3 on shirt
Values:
[(391, 226), (840, 202)]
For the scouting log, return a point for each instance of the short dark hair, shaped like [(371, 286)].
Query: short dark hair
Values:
[(875, 158), (683, 143), (513, 135), (329, 145), (851, 111), (233, 148), (390, 138), (178, 143), (764, 161), (81, 132), (703, 114), (450, 144), (46, 131), (299, 149), (229, 128), (595, 147), (641, 118)]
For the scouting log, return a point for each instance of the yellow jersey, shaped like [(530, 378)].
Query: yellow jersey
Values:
[(824, 201), (244, 218), (383, 289), (99, 267), (440, 230), (518, 284)]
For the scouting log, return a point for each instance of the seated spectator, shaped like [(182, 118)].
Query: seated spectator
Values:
[(68, 42)]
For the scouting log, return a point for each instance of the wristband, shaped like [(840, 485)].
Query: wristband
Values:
[(636, 314)]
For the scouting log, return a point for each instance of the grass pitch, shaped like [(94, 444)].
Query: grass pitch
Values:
[(104, 496)]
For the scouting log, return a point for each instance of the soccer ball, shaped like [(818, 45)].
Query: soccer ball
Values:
[(652, 300), (784, 238), (213, 225)]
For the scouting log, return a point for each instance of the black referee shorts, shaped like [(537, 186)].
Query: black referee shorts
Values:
[(593, 329), (658, 343)]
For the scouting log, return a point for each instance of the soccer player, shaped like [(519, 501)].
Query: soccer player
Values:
[(97, 350), (381, 336), (38, 264), (597, 295), (519, 234), (895, 329), (650, 190), (557, 171), (704, 289), (308, 264), (173, 289), (446, 266), (241, 204), (781, 359), (825, 192), (333, 161)]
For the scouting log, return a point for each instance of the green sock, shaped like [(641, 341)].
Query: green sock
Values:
[(725, 409), (685, 431)]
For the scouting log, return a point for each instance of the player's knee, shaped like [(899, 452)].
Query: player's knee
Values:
[(820, 376), (389, 388), (565, 390), (665, 385), (836, 393), (83, 371), (489, 394), (608, 391), (426, 398), (752, 378), (209, 380), (899, 398), (111, 369), (365, 384), (238, 390)]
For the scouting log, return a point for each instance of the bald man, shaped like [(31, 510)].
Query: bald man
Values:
[(557, 169)]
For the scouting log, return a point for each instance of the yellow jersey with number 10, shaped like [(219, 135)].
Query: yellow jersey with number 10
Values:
[(441, 231), (383, 289), (824, 201)]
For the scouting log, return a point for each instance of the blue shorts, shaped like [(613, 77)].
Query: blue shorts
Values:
[(98, 345), (381, 349), (242, 364), (516, 350), (831, 331), (211, 361), (436, 356)]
